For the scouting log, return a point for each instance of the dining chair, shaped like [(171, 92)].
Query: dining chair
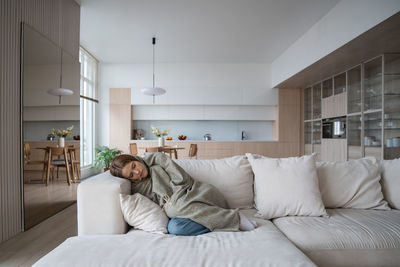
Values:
[(75, 163), (193, 151), (133, 148), (51, 163), (154, 149), (28, 161)]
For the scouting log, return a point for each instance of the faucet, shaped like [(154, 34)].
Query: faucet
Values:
[(243, 135)]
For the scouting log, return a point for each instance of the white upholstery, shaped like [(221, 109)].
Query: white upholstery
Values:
[(391, 182), (99, 209), (265, 246), (142, 213), (349, 237), (351, 184), (232, 176), (287, 186)]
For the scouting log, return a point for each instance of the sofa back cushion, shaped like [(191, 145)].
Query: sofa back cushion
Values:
[(233, 177), (351, 184), (286, 186), (391, 182)]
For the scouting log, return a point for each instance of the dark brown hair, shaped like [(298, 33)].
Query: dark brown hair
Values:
[(119, 163)]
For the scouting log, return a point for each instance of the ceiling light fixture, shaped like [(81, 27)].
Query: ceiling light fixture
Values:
[(154, 90), (60, 91)]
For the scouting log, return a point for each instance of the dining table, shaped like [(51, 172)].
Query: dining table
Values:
[(69, 150), (166, 149)]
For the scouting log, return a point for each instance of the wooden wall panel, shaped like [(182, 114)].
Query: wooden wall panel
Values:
[(120, 118), (44, 16), (10, 131), (70, 22)]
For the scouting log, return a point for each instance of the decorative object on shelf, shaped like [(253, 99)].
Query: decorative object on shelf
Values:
[(157, 133), (62, 134), (182, 137), (207, 137), (60, 91), (104, 156), (154, 90), (169, 138)]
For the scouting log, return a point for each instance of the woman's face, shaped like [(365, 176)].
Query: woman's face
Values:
[(134, 170)]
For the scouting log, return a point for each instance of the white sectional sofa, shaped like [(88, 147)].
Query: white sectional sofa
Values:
[(348, 237)]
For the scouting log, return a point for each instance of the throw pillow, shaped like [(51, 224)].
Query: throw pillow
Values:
[(232, 176), (391, 182), (351, 184), (142, 213), (286, 186)]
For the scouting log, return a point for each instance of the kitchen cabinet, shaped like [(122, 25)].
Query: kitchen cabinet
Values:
[(369, 95), (334, 150), (307, 138), (391, 106), (354, 148), (316, 101), (354, 90)]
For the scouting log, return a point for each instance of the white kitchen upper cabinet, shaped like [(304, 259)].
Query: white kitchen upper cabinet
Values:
[(208, 96), (256, 113), (185, 112)]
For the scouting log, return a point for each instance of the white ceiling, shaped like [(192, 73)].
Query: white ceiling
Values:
[(223, 31)]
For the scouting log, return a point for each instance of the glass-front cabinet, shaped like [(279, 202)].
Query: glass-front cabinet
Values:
[(316, 101), (316, 138), (327, 88), (391, 106), (354, 137), (373, 108), (354, 90), (339, 82), (307, 104), (307, 138), (373, 135), (373, 84)]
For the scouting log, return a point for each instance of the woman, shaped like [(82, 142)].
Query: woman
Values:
[(194, 207)]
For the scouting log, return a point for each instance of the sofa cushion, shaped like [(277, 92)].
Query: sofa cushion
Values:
[(351, 184), (264, 246), (142, 213), (349, 237), (391, 182), (286, 186), (232, 176)]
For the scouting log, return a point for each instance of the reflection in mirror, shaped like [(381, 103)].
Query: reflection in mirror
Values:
[(49, 168)]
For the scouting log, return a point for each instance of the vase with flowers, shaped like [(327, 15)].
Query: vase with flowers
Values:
[(157, 133), (62, 134)]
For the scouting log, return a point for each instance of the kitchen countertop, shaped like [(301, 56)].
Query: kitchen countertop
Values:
[(210, 141), (44, 140)]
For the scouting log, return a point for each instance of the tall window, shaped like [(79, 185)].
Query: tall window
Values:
[(88, 106)]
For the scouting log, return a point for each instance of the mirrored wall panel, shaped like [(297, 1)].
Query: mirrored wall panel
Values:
[(51, 128)]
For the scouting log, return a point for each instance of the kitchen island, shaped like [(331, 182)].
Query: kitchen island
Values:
[(215, 149)]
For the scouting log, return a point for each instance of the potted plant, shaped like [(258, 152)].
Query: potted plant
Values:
[(62, 134), (104, 156), (157, 133)]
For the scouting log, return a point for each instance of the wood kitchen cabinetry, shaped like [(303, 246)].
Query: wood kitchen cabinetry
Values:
[(369, 95)]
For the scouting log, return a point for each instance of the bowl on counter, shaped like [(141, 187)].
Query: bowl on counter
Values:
[(182, 137)]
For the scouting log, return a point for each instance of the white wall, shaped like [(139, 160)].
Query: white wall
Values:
[(344, 22), (211, 80)]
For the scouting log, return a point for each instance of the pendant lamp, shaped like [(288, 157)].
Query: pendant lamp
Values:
[(60, 91), (153, 91)]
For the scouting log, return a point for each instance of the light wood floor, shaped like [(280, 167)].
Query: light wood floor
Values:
[(42, 202), (28, 247)]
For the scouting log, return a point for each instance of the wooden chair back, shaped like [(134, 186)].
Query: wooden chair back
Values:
[(56, 151), (133, 148), (153, 149), (27, 149), (193, 150)]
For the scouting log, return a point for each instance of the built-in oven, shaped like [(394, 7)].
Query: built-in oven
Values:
[(334, 128)]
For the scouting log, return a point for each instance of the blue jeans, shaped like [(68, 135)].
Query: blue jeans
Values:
[(182, 226)]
